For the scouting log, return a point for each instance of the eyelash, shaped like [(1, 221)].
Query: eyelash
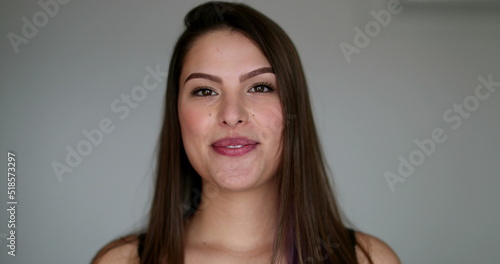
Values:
[(267, 85), (199, 89)]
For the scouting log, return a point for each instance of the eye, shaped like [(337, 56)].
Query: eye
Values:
[(262, 88), (203, 91)]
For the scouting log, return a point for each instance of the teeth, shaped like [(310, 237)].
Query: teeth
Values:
[(232, 147)]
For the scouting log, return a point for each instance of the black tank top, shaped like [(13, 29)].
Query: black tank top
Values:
[(140, 248)]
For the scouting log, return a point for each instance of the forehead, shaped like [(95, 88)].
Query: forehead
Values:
[(223, 53)]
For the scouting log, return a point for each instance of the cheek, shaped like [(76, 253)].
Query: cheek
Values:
[(193, 124), (270, 119)]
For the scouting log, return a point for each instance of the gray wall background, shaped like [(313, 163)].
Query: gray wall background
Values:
[(368, 112)]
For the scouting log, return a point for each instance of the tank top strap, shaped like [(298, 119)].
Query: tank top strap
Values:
[(140, 247), (352, 236)]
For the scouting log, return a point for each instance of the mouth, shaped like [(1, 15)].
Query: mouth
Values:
[(234, 146)]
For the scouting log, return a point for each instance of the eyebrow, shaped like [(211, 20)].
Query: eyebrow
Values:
[(217, 79)]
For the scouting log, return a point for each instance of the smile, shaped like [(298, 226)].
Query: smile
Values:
[(234, 146)]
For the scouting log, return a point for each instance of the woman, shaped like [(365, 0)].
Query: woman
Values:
[(241, 177)]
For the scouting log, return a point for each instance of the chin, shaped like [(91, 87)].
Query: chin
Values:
[(236, 181)]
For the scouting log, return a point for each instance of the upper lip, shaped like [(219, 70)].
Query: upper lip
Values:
[(233, 141)]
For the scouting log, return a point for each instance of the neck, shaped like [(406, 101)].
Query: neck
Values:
[(243, 221)]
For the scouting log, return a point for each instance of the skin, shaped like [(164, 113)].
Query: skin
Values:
[(243, 187), (233, 108), (239, 192)]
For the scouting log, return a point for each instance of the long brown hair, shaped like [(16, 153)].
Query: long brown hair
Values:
[(310, 228)]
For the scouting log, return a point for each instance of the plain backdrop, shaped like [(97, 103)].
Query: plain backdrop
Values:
[(65, 78)]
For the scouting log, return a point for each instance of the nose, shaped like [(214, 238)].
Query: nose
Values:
[(232, 111)]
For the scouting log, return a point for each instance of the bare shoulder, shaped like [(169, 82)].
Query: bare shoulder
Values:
[(378, 250), (120, 251)]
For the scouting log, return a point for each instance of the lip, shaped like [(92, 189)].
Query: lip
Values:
[(221, 146)]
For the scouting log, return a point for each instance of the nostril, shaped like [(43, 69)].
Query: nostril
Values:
[(231, 123)]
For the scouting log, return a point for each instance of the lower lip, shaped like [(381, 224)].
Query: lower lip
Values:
[(234, 152)]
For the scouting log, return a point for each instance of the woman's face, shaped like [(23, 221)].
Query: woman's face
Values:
[(230, 112)]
